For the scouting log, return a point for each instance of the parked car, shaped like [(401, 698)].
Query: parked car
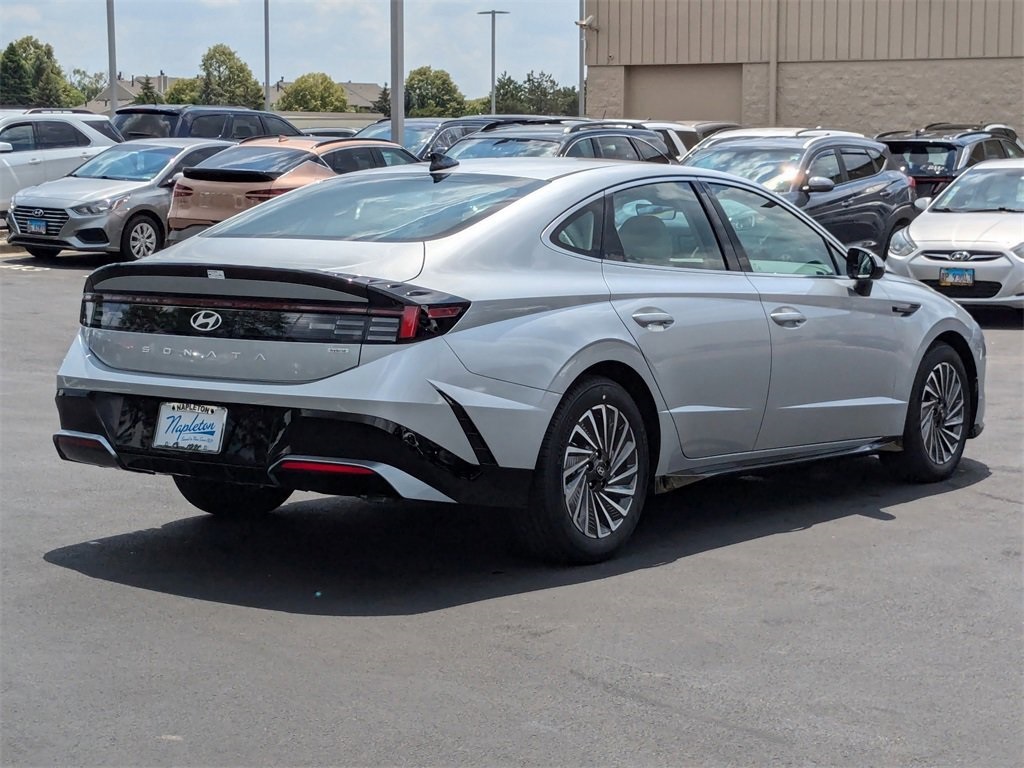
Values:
[(969, 242), (558, 337), (426, 135), (38, 145), (844, 181), (329, 132), (564, 137), (260, 169), (116, 202), (153, 121), (764, 132), (682, 136), (936, 154)]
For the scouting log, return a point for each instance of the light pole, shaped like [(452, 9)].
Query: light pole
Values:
[(493, 15), (398, 71), (584, 24), (111, 58), (266, 55)]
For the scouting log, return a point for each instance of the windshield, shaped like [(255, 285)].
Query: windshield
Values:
[(497, 146), (984, 189), (920, 159), (415, 136), (774, 169), (127, 163), (381, 208), (267, 159), (145, 125)]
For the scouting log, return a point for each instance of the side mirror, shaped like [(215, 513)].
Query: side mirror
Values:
[(862, 264), (171, 180), (5, 147), (819, 184), (922, 202)]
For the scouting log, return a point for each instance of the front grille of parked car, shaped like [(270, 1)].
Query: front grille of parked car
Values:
[(983, 289), (55, 218), (975, 255)]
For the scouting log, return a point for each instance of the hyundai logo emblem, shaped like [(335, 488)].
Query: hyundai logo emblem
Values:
[(206, 320), (960, 255), (37, 212)]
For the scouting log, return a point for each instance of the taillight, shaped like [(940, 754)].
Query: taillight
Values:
[(425, 322), (180, 190), (262, 195)]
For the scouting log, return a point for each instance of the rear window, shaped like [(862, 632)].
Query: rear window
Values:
[(104, 127), (918, 158), (267, 159), (380, 208), (145, 125), (497, 146)]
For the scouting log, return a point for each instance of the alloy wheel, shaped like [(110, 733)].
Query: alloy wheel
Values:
[(942, 413), (599, 471), (142, 240)]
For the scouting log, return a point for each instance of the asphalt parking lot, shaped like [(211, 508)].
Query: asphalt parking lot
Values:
[(822, 615)]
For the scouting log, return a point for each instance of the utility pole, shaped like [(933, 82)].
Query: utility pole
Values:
[(111, 58), (266, 55), (493, 15), (398, 71)]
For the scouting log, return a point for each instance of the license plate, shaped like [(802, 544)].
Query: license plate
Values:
[(190, 427), (955, 276), (36, 227)]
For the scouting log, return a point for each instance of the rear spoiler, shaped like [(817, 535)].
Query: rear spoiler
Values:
[(229, 174)]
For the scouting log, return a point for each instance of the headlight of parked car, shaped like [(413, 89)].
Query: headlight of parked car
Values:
[(101, 206), (1018, 251), (901, 244)]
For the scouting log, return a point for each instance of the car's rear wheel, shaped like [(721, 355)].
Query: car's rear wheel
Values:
[(938, 419), (42, 251), (591, 478), (141, 237), (231, 499)]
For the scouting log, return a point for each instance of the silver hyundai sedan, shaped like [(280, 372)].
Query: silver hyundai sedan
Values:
[(116, 202), (560, 336)]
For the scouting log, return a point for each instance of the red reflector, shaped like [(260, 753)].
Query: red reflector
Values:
[(82, 442), (436, 313), (324, 467), (410, 323), (266, 194)]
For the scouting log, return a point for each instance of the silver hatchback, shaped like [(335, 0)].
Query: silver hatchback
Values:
[(559, 336), (116, 202)]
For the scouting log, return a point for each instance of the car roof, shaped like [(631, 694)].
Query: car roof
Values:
[(1008, 162), (563, 129), (951, 133), (315, 144), (177, 109), (177, 143), (30, 115), (789, 142), (686, 125)]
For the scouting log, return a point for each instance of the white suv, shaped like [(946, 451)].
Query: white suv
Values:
[(38, 145)]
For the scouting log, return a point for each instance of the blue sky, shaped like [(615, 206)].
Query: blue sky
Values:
[(348, 39)]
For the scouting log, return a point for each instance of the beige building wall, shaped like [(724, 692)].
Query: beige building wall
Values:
[(859, 64)]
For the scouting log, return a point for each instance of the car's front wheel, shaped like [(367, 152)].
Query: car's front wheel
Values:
[(141, 237), (591, 478), (938, 419), (231, 499), (42, 251)]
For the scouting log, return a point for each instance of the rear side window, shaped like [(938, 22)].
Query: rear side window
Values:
[(275, 126), (51, 134), (20, 137), (581, 232), (104, 127), (858, 164), (616, 148), (1012, 150), (207, 126), (994, 150), (348, 160), (877, 160), (649, 152), (246, 126), (267, 159)]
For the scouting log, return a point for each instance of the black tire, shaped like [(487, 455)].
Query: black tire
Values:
[(923, 460), (42, 251), (884, 250), (142, 236), (231, 499), (546, 527)]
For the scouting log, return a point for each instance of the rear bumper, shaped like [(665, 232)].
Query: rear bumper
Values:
[(116, 430)]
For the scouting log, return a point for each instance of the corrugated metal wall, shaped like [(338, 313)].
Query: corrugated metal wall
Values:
[(737, 31)]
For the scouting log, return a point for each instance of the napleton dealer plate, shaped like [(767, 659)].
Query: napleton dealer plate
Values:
[(190, 427)]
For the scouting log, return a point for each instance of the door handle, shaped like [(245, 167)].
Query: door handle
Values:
[(35, 160), (788, 317), (905, 310), (654, 319)]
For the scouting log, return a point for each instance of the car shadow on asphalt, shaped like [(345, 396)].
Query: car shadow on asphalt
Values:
[(343, 557), (997, 318)]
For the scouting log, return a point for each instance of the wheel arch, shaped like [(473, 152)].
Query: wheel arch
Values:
[(151, 214), (963, 351)]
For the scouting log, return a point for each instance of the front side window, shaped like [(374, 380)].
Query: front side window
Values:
[(582, 148), (207, 126), (1012, 150), (392, 156), (616, 148), (826, 165), (275, 126), (581, 231), (775, 240), (993, 190), (994, 150), (375, 208), (859, 164), (51, 134), (126, 162), (649, 152), (445, 139), (774, 169), (348, 160), (414, 136), (977, 154), (663, 224), (20, 137), (195, 157)]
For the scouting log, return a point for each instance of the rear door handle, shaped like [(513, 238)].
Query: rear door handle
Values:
[(788, 317), (35, 160), (654, 319)]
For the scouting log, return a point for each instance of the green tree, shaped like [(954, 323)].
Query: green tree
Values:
[(509, 96), (15, 79), (88, 85), (481, 106), (567, 101), (540, 91), (432, 93), (49, 86), (185, 90), (383, 102), (148, 94), (226, 79), (313, 92), (72, 96)]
